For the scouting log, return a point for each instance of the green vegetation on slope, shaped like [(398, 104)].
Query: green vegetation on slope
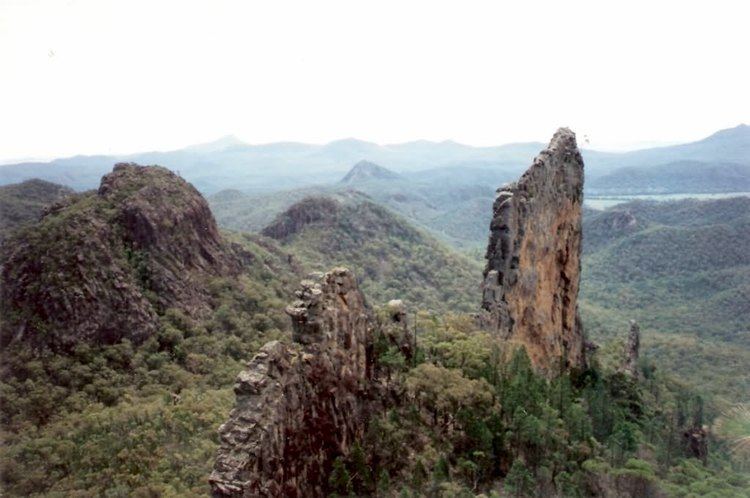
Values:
[(679, 268), (682, 269), (477, 419), (120, 420), (391, 259), (456, 213), (117, 420), (22, 203), (677, 177)]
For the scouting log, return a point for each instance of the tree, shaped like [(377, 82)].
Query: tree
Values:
[(444, 391), (340, 481), (519, 481)]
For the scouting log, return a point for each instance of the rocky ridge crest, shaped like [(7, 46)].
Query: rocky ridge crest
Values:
[(532, 274), (305, 212), (100, 266), (301, 405)]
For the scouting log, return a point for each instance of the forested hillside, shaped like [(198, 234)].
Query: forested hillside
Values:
[(676, 177), (137, 415), (374, 249), (682, 269), (392, 259), (447, 203), (125, 318), (138, 420), (23, 203)]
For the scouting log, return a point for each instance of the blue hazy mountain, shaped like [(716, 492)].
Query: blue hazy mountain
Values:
[(232, 163)]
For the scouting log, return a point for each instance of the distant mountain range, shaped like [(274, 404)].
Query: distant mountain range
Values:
[(452, 208), (674, 177), (231, 163)]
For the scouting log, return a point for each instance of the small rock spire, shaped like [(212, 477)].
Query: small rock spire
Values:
[(632, 347)]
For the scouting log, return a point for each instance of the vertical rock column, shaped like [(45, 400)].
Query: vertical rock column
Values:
[(299, 407), (632, 348), (531, 279)]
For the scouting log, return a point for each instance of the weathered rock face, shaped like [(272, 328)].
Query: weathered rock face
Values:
[(165, 217), (300, 406), (532, 275), (632, 348), (100, 266), (696, 443)]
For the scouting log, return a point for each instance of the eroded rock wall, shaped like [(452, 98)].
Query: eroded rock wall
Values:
[(300, 406), (531, 279)]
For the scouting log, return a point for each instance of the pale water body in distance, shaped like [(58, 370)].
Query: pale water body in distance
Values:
[(604, 202)]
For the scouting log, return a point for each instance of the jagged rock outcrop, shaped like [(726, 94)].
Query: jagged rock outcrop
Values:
[(397, 310), (696, 443), (100, 266), (632, 348), (300, 406), (531, 279)]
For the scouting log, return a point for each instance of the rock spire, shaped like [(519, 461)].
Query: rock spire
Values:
[(300, 406), (531, 279)]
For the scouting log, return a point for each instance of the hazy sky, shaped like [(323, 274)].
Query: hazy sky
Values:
[(110, 77)]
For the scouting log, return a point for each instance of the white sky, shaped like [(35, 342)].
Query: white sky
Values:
[(110, 77)]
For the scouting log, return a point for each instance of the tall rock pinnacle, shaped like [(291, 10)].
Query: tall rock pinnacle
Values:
[(301, 405), (531, 279)]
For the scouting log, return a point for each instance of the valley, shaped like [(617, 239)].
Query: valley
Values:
[(127, 337), (374, 249)]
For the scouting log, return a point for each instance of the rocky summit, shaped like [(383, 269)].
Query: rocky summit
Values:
[(531, 278), (100, 266), (301, 405)]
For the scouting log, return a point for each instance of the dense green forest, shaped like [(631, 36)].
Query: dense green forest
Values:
[(374, 249), (481, 412), (119, 420), (392, 259), (112, 421), (682, 269), (125, 420)]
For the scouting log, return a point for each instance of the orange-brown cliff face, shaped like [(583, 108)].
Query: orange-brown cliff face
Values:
[(530, 288)]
